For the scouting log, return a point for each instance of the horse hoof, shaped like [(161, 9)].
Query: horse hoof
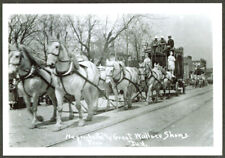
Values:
[(71, 116), (95, 112), (149, 102), (89, 118), (53, 119), (57, 128), (81, 123), (107, 108), (33, 126), (40, 118)]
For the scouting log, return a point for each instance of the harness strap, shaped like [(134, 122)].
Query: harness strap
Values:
[(130, 81), (23, 78), (154, 76), (25, 89), (86, 77), (121, 78), (63, 85)]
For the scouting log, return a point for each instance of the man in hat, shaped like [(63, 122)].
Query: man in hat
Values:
[(170, 42), (162, 44), (154, 44)]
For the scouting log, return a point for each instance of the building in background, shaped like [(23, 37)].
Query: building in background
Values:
[(199, 66), (188, 67)]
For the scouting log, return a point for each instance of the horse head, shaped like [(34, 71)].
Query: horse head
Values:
[(113, 70), (56, 52), (18, 60), (53, 51)]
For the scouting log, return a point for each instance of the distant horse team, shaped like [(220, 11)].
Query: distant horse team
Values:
[(64, 75)]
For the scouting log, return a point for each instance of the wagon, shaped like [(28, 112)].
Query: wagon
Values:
[(178, 83)]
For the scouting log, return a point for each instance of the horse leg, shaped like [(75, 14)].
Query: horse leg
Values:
[(91, 101), (71, 116), (51, 94), (78, 106), (129, 96), (116, 95), (59, 96), (28, 104), (34, 110), (26, 98), (157, 94), (169, 90), (125, 99), (149, 95), (107, 95)]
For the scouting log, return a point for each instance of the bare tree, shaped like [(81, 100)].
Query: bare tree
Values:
[(21, 28), (83, 31), (111, 35)]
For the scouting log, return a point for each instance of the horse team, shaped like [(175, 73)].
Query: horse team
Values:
[(64, 75)]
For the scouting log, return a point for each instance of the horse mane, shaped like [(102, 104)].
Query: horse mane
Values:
[(30, 54)]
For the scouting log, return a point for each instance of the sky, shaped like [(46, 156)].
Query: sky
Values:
[(192, 32), (189, 24)]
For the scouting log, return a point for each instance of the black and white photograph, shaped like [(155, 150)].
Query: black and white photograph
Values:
[(112, 79)]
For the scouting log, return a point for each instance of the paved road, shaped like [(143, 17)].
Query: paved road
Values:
[(186, 123), (118, 127)]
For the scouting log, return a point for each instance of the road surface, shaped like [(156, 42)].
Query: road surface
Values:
[(185, 120), (187, 123)]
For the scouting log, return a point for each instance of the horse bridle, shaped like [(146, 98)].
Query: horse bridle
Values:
[(20, 59), (57, 55), (144, 74)]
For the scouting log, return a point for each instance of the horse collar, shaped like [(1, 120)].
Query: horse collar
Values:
[(69, 72), (121, 78)]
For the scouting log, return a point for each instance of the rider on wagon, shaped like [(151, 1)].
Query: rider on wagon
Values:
[(162, 44), (155, 44), (171, 62), (170, 43)]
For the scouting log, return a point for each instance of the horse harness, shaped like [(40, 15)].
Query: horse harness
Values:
[(151, 75), (71, 70), (117, 82), (32, 74)]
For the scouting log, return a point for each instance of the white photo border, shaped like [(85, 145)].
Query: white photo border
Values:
[(213, 10)]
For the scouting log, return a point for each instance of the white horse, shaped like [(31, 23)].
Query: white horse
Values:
[(122, 79), (154, 82), (74, 80), (105, 86), (31, 84), (143, 77)]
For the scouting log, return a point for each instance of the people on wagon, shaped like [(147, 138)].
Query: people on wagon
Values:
[(170, 43), (171, 62), (155, 44), (162, 44)]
